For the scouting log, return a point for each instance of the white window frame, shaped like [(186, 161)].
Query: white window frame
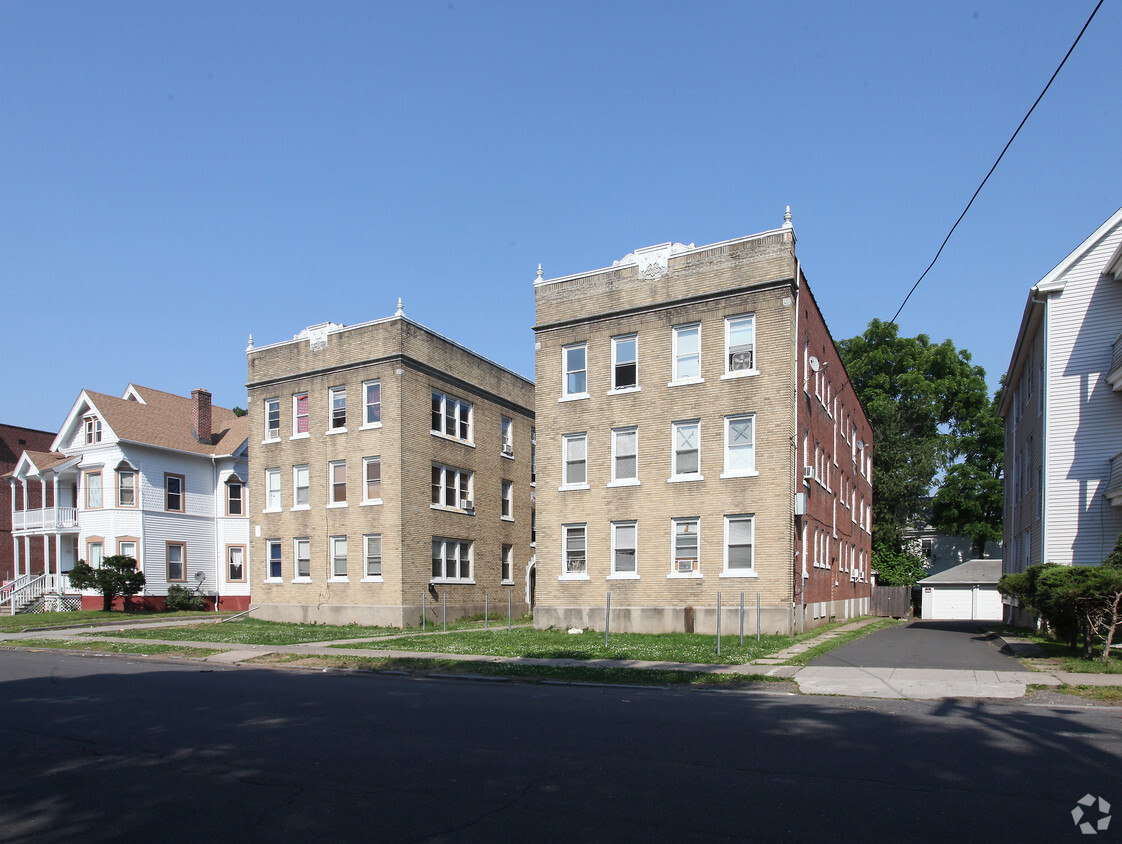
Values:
[(617, 529), (676, 376), (739, 473), (367, 462), (617, 363), (368, 406), (730, 350), (568, 370), (447, 544), (506, 565), (533, 457), (675, 571), (337, 410), (122, 548), (619, 434), (181, 547), (95, 492), (272, 491), (333, 471), (337, 558), (675, 474), (506, 431), (507, 501), (566, 440), (569, 533), (459, 476), (297, 487), (301, 560), (462, 418), (297, 434), (740, 571), (93, 430), (372, 558), (270, 544), (231, 552), (272, 414)]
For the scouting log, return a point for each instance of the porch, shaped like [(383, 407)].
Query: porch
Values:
[(31, 593)]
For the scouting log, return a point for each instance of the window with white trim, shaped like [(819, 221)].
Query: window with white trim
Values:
[(739, 535), (574, 550), (128, 548), (508, 564), (301, 487), (94, 497), (371, 480), (235, 497), (451, 559), (625, 362), (740, 445), (272, 490), (452, 488), (372, 551), (337, 473), (339, 557), (371, 404), (177, 561), (740, 345), (126, 489), (624, 549), (95, 553), (533, 456), (687, 353), (272, 420), (302, 552), (273, 556), (507, 433), (625, 455), (508, 499), (575, 362), (300, 420), (93, 430), (575, 451), (687, 543), (235, 563), (337, 408), (687, 449), (451, 417), (175, 495)]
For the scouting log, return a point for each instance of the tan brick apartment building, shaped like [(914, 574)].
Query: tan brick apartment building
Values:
[(696, 435), (391, 469)]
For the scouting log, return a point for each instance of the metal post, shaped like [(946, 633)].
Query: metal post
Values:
[(718, 624), (757, 616), (484, 609), (741, 618), (508, 609), (607, 617), (423, 596), (444, 596)]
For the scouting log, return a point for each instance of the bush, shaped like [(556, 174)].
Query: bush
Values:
[(179, 599), (896, 568), (117, 577)]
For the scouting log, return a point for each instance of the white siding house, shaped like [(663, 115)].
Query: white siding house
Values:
[(1063, 412), (151, 475)]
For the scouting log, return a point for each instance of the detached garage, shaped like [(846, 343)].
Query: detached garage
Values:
[(967, 592)]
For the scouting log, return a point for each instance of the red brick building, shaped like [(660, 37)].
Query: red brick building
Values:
[(13, 442)]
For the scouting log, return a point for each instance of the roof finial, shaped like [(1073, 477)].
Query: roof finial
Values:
[(539, 272), (400, 307), (787, 219), (250, 346)]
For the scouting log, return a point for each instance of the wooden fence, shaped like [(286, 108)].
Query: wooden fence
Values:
[(891, 601)]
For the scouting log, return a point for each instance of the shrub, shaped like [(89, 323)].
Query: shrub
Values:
[(179, 599)]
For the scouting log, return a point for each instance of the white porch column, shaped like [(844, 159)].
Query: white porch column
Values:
[(15, 554), (46, 554), (54, 492)]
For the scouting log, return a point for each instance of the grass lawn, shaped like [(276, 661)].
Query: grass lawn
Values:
[(37, 620), (110, 647), (1059, 656), (841, 639)]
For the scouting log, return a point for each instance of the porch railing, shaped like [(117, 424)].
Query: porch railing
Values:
[(20, 592), (46, 518)]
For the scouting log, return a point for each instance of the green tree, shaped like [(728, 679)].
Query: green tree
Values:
[(117, 577), (924, 402), (896, 568), (239, 411)]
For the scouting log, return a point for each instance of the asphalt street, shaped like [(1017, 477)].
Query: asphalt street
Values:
[(100, 748), (923, 644)]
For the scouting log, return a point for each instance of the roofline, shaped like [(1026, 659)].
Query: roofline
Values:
[(1050, 281), (181, 451)]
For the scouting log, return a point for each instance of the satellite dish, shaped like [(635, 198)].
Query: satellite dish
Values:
[(814, 365), (200, 576)]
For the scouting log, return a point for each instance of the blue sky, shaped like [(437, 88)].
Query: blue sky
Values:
[(177, 177)]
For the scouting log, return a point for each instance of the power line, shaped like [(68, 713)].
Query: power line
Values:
[(994, 167)]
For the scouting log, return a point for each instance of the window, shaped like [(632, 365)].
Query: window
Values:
[(508, 436), (623, 549), (740, 446), (740, 345), (575, 361), (93, 490), (451, 488), (371, 404), (93, 430), (451, 417), (272, 490), (625, 456), (687, 353), (574, 540), (235, 563), (300, 425), (451, 559), (533, 456), (686, 544), (533, 527), (371, 480), (508, 500), (575, 453), (234, 498), (177, 561), (624, 363), (337, 407), (508, 564), (372, 550), (337, 471), (738, 545), (128, 548), (126, 488), (272, 420), (301, 483), (273, 554), (174, 493), (95, 552), (687, 445), (339, 557), (302, 548)]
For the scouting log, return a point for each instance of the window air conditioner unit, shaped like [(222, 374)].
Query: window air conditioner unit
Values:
[(508, 449), (466, 504), (687, 565), (808, 473)]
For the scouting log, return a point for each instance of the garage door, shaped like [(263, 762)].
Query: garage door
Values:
[(950, 604), (962, 603)]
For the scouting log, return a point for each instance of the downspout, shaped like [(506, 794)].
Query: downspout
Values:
[(214, 521), (1044, 431), (798, 582)]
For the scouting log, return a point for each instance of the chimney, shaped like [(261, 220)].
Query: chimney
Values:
[(200, 415)]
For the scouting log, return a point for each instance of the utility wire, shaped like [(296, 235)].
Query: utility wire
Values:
[(1003, 151)]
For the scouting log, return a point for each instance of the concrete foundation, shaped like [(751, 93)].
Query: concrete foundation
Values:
[(368, 615), (667, 619)]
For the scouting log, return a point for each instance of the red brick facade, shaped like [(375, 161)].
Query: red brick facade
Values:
[(13, 442)]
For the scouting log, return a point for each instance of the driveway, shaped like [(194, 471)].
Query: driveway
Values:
[(961, 645)]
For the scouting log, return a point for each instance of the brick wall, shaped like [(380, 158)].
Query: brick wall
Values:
[(13, 442)]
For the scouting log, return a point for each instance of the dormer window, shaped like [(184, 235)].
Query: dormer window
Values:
[(93, 430)]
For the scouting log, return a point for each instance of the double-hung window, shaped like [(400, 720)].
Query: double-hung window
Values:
[(301, 487), (174, 494), (575, 542), (93, 490), (127, 548), (686, 545), (272, 420), (371, 480), (273, 555), (575, 451), (740, 445), (575, 362), (625, 373), (687, 450), (451, 417), (371, 404), (126, 489), (337, 407), (451, 488), (272, 490), (235, 501), (337, 472), (300, 423), (625, 456), (372, 551), (235, 563), (93, 430), (687, 353), (95, 552), (740, 345), (508, 564), (507, 432), (302, 551), (177, 561), (533, 456), (451, 559), (624, 546), (739, 534), (339, 557), (508, 499)]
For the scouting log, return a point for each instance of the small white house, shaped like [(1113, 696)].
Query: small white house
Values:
[(967, 592), (151, 475)]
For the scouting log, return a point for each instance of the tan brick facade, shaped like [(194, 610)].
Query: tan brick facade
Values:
[(409, 364), (738, 416)]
